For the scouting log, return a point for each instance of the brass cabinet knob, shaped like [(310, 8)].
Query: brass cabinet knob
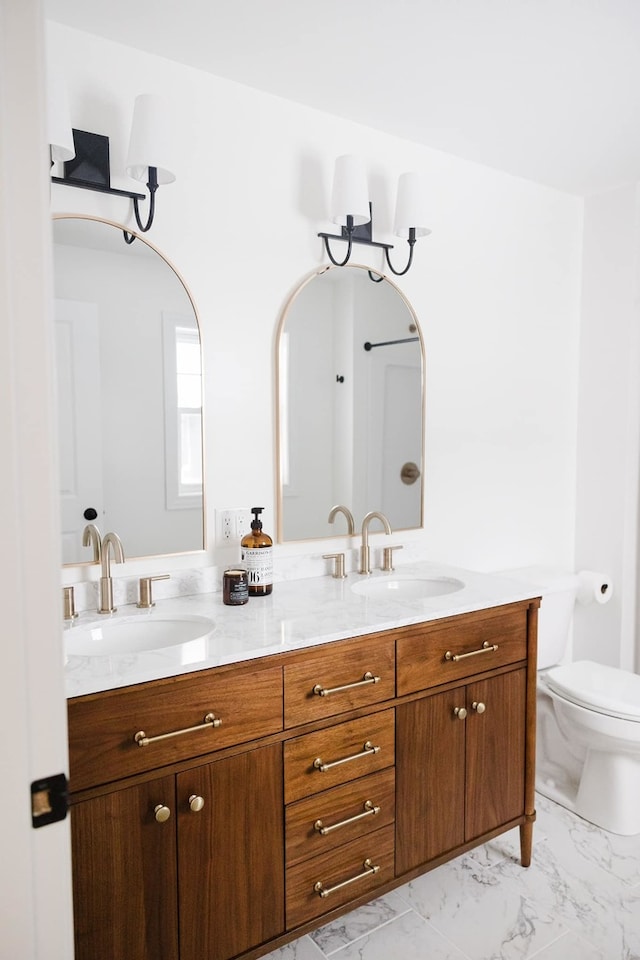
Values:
[(161, 812), (478, 706), (196, 803), (460, 712)]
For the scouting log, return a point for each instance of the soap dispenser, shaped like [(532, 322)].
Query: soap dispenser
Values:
[(257, 557)]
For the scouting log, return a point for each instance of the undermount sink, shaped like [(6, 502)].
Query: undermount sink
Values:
[(407, 588), (135, 635)]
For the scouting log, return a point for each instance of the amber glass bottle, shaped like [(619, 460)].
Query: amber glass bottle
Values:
[(257, 557)]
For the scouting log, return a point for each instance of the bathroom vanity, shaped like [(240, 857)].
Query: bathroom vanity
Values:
[(223, 811)]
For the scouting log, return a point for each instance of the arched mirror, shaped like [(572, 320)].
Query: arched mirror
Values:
[(350, 383), (129, 386)]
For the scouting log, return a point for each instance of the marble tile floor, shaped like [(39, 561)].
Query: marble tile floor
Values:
[(579, 900)]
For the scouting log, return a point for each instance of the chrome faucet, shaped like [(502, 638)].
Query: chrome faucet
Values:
[(351, 528), (110, 542), (365, 556), (91, 537)]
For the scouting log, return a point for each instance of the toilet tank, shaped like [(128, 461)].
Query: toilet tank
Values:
[(558, 590)]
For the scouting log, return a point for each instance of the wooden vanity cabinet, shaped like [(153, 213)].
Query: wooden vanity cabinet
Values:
[(355, 673), (230, 854), (465, 751), (209, 877), (460, 772), (123, 732), (336, 774), (187, 864), (495, 752), (124, 874), (340, 813)]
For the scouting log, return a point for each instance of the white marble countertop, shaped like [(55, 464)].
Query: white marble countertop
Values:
[(298, 613)]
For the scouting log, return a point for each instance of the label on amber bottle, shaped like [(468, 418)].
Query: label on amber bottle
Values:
[(258, 562)]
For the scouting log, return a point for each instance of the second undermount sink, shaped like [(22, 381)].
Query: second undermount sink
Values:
[(136, 634), (407, 588)]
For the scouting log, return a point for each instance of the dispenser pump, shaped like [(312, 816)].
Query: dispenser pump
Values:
[(256, 523)]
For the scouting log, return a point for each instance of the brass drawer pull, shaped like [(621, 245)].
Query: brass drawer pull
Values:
[(325, 691), (369, 869), (370, 810), (209, 722), (486, 648), (367, 749)]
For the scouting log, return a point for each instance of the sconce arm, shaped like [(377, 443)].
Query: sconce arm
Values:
[(152, 186), (327, 236), (411, 240)]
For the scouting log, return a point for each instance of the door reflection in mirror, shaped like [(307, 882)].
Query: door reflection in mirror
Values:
[(350, 416)]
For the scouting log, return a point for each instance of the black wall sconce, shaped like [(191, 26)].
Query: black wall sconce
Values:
[(350, 207), (147, 159)]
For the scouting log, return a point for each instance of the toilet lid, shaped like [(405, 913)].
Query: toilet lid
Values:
[(598, 687)]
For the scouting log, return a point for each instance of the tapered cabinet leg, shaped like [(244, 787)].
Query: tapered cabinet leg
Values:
[(526, 840)]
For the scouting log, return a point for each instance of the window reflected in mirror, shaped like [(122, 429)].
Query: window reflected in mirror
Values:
[(183, 412)]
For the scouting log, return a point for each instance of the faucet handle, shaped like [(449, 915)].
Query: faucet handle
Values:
[(387, 558), (338, 567), (146, 596), (68, 604)]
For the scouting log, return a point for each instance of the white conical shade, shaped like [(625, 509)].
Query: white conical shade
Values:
[(59, 132), (411, 206), (350, 195), (152, 139)]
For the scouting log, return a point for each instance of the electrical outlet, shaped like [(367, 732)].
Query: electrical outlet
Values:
[(243, 522), (232, 524), (226, 526)]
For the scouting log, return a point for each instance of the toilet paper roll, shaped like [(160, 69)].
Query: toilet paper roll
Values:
[(593, 587)]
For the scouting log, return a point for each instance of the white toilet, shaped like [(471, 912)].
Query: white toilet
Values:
[(588, 730)]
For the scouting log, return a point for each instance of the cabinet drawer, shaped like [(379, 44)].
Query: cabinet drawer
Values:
[(438, 652), (318, 761), (340, 678), (332, 870), (103, 727), (332, 818)]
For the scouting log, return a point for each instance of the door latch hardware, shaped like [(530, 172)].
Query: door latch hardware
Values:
[(49, 800)]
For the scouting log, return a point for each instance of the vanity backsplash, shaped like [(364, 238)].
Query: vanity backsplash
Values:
[(187, 582)]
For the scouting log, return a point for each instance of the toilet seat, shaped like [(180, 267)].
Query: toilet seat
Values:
[(597, 687)]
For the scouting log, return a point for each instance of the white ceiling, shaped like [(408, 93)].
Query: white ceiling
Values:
[(548, 90)]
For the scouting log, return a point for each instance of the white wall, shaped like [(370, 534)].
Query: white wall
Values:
[(608, 427), (496, 289)]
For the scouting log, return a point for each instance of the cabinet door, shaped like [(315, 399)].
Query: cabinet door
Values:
[(430, 777), (124, 874), (231, 854), (495, 752)]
